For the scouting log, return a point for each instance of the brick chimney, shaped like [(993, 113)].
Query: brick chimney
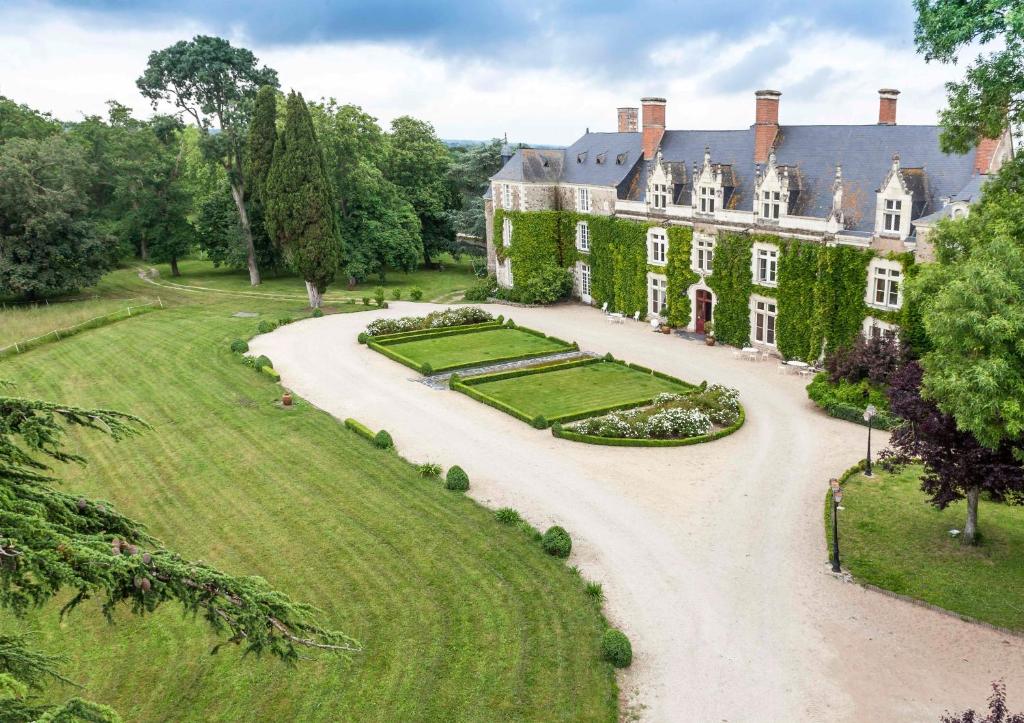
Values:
[(628, 120), (983, 156), (766, 123), (654, 124), (887, 106)]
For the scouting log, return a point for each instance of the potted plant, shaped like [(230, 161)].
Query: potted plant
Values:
[(709, 333)]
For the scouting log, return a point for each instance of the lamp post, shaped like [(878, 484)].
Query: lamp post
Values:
[(869, 415), (837, 497)]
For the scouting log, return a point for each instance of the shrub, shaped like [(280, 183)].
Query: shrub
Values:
[(363, 337), (510, 324), (556, 541), (500, 319), (271, 372), (382, 440), (616, 649), (366, 301), (396, 294), (262, 361), (266, 326), (872, 359), (595, 591), (239, 346), (507, 516), (848, 400), (608, 357), (284, 320), (415, 293), (461, 316), (481, 289), (457, 479), (378, 295), (317, 313), (540, 422), (426, 369), (546, 287), (429, 470)]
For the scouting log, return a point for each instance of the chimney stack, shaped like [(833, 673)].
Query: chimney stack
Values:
[(654, 125), (887, 106), (983, 154), (766, 123), (628, 120)]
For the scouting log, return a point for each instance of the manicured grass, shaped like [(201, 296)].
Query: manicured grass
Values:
[(457, 274), (476, 347), (891, 537), (564, 392), (461, 618)]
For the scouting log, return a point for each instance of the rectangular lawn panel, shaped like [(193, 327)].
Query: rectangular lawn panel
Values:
[(562, 393), (476, 348)]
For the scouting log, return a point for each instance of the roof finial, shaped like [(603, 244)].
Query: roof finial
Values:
[(707, 155)]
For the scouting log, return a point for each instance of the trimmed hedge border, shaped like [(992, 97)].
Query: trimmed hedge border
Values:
[(400, 336), (561, 433), (526, 371), (361, 429), (850, 413)]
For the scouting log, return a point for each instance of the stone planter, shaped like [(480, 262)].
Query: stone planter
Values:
[(286, 399), (709, 340)]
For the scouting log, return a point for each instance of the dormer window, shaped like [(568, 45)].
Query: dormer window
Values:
[(583, 200), (506, 231), (581, 157), (659, 195), (771, 204), (657, 247), (620, 159), (771, 192), (893, 202), (892, 214), (506, 196), (601, 158), (707, 199)]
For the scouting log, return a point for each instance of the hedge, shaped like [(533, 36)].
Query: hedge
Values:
[(361, 429), (461, 386), (851, 413), (400, 336), (560, 432), (271, 372), (395, 356), (526, 371)]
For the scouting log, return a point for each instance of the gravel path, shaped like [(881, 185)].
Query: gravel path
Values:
[(712, 556)]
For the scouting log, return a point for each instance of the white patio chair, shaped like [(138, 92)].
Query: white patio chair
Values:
[(636, 316), (604, 307)]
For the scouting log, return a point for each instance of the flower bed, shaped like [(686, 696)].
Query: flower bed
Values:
[(460, 316)]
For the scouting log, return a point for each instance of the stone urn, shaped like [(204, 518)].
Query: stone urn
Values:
[(286, 399), (709, 340)]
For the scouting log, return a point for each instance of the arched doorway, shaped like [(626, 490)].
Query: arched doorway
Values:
[(704, 308)]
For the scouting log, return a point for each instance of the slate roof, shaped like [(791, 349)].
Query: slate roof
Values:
[(968, 194), (812, 152)]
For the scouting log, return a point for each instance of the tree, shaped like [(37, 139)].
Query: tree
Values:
[(48, 243), (418, 163), (471, 171), (214, 83), (51, 541), (997, 710), (972, 308), (993, 90), (299, 210), (20, 121), (957, 465)]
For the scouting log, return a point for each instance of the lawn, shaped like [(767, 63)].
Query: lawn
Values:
[(461, 618), (476, 347), (20, 322), (891, 537), (561, 393), (456, 275)]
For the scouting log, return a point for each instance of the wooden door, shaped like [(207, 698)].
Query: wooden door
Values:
[(704, 309)]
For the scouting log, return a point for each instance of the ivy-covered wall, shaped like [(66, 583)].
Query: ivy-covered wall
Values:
[(732, 285), (679, 275), (538, 241)]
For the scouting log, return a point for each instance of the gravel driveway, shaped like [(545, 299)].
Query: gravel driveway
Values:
[(711, 556)]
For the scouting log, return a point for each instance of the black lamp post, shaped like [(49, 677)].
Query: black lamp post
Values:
[(869, 415), (837, 497)]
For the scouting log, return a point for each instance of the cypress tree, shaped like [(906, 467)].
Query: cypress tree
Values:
[(260, 145), (297, 199)]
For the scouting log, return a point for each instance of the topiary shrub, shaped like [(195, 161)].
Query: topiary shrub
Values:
[(457, 479), (239, 346), (426, 369), (608, 357), (396, 294), (317, 313), (507, 516), (556, 542), (262, 361), (540, 422), (616, 648), (382, 440), (378, 295), (415, 293), (510, 324), (500, 319), (266, 326)]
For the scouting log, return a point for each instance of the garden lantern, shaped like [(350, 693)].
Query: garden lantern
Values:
[(869, 415), (837, 497)]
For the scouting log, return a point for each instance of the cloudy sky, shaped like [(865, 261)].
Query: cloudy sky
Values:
[(540, 71)]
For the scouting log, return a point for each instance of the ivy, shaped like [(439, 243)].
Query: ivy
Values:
[(732, 286), (842, 281), (538, 242), (679, 274), (800, 332)]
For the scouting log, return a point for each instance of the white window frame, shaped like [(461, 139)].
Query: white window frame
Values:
[(771, 205), (885, 285), (706, 197), (583, 236), (769, 253), (659, 195), (768, 308), (506, 232), (892, 215), (657, 246), (657, 294), (876, 327), (703, 254), (583, 199), (583, 277), (506, 196)]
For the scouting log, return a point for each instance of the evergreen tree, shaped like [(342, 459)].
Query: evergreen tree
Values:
[(259, 157), (299, 211)]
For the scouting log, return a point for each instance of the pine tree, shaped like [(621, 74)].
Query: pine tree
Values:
[(299, 212)]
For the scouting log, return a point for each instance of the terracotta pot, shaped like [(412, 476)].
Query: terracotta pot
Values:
[(665, 330), (286, 399), (709, 340)]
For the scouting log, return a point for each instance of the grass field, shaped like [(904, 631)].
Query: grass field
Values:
[(457, 274), (562, 392), (476, 347), (891, 537), (461, 618), (24, 321)]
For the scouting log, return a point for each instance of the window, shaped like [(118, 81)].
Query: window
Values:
[(506, 196), (764, 322), (585, 280), (707, 199), (657, 295), (583, 200), (659, 195), (506, 231), (891, 215), (583, 236), (705, 255), (886, 287), (767, 266), (657, 247), (771, 203)]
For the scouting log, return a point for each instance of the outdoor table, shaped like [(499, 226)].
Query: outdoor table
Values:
[(750, 352), (798, 365)]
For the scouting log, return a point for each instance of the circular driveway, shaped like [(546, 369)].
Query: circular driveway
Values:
[(712, 556)]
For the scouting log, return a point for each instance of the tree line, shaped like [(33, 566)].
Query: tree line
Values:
[(232, 167)]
